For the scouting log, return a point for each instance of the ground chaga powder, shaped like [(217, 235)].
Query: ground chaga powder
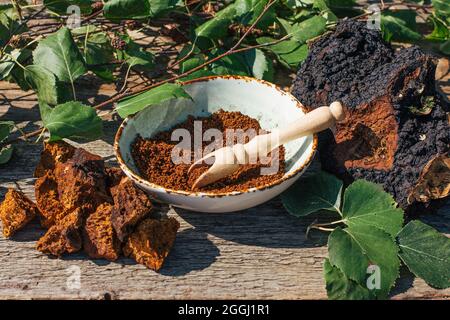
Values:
[(153, 157)]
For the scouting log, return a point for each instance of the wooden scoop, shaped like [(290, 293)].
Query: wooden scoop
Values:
[(228, 159)]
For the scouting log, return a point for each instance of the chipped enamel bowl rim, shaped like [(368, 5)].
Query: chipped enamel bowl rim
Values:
[(157, 188)]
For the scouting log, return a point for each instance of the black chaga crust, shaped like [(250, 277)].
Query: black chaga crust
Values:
[(381, 140)]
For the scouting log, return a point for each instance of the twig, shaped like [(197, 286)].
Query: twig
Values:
[(232, 50), (24, 22), (92, 16)]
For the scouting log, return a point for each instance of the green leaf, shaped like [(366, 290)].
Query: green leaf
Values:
[(366, 203), (325, 11), (399, 25), (6, 154), (159, 7), (71, 119), (9, 25), (309, 29), (138, 102), (442, 7), (285, 46), (288, 52), (229, 65), (5, 129), (339, 287), (260, 66), (353, 249), (43, 82), (97, 56), (126, 9), (12, 71), (7, 64), (247, 11), (59, 54), (426, 252), (440, 31), (191, 63), (292, 59), (60, 6), (217, 27), (314, 193)]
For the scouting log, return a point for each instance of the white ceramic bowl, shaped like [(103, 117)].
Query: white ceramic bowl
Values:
[(256, 98)]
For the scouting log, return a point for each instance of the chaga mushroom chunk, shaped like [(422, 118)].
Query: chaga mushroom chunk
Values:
[(54, 152), (396, 122), (99, 238), (64, 236), (47, 200), (82, 181), (151, 242), (16, 211), (131, 205), (113, 176)]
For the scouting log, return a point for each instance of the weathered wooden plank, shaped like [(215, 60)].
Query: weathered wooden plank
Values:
[(260, 253)]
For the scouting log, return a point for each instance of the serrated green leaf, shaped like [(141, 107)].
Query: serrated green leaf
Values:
[(247, 11), (217, 27), (366, 203), (9, 25), (138, 102), (285, 46), (71, 119), (59, 54), (442, 7), (43, 82), (191, 63), (399, 25), (325, 11), (229, 65), (135, 55), (309, 29), (6, 154), (353, 249), (293, 59), (339, 287), (5, 129), (260, 66), (440, 31), (158, 7), (314, 193), (60, 6), (7, 64), (126, 9), (426, 252), (198, 74), (16, 74)]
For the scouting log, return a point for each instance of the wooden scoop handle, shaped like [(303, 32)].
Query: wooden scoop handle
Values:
[(315, 121)]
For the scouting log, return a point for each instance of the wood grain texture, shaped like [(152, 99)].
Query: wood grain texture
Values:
[(260, 253)]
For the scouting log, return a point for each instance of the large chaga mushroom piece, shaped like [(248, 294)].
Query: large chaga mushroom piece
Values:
[(151, 242), (53, 153), (99, 238), (64, 236), (396, 122), (16, 211), (82, 181), (131, 205)]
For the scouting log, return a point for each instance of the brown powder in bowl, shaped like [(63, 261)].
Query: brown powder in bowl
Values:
[(153, 157)]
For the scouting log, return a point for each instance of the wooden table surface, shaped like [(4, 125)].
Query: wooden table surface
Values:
[(260, 253)]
